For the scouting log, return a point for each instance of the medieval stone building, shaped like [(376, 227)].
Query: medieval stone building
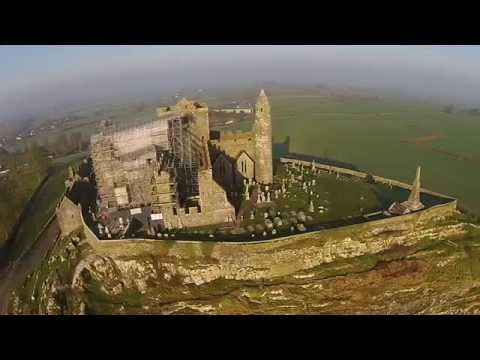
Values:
[(172, 166), (246, 155)]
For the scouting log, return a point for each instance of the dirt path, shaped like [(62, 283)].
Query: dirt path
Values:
[(15, 274)]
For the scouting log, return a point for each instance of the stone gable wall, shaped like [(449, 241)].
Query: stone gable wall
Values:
[(233, 143)]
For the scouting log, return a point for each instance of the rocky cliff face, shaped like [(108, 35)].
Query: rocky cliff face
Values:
[(281, 262), (381, 271)]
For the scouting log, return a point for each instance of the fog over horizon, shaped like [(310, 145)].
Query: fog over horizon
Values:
[(38, 78)]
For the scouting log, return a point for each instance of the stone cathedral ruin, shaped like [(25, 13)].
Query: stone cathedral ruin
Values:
[(173, 175), (172, 172)]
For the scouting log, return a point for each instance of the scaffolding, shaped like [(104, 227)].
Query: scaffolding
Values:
[(123, 157), (103, 154), (184, 157), (163, 183)]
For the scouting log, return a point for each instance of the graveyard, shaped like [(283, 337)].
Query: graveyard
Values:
[(301, 199)]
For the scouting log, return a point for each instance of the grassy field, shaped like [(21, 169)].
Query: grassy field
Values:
[(383, 135), (336, 201), (341, 198), (338, 198), (387, 137), (41, 208)]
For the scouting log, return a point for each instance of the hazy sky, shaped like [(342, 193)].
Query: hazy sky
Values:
[(34, 78)]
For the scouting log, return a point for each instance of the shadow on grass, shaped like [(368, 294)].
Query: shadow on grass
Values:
[(282, 149)]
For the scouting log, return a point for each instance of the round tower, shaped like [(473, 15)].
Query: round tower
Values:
[(263, 140)]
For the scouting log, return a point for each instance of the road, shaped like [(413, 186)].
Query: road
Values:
[(14, 275)]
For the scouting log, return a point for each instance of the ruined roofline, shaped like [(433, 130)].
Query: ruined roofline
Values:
[(217, 151), (196, 104), (182, 106), (170, 114)]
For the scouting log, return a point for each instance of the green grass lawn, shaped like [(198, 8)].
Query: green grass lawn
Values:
[(378, 136), (341, 198), (42, 208), (338, 199)]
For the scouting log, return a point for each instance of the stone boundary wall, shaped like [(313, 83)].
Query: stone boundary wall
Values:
[(217, 250)]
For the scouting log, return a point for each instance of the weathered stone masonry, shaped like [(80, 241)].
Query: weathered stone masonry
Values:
[(172, 165), (249, 153), (72, 219)]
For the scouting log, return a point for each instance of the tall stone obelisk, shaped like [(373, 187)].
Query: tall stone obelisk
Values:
[(413, 202)]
